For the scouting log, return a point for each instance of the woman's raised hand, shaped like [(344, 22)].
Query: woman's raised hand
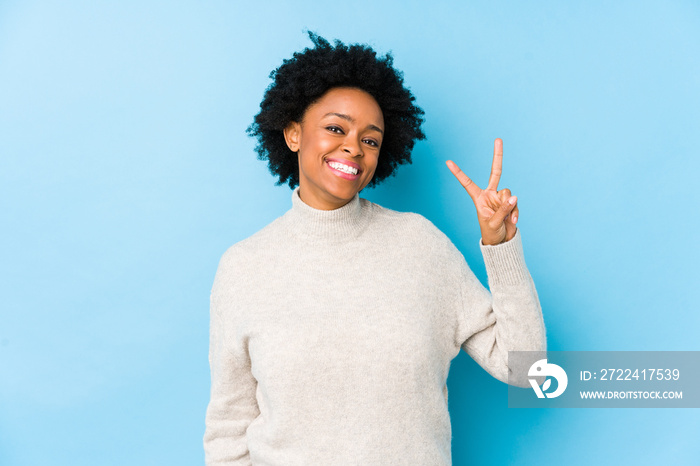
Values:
[(496, 210)]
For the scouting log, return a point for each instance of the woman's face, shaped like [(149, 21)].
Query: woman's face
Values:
[(337, 143)]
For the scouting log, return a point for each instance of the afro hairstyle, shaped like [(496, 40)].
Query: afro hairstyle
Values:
[(307, 76)]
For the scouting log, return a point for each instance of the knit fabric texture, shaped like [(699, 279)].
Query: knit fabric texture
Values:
[(332, 334)]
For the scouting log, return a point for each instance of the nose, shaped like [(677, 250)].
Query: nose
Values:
[(352, 146)]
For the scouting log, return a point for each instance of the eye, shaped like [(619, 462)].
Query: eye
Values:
[(371, 142), (335, 129)]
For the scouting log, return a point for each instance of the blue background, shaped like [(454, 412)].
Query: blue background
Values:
[(125, 173)]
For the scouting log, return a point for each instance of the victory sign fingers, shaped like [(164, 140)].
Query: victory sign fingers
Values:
[(497, 211)]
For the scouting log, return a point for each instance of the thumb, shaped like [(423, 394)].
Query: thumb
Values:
[(510, 223), (502, 212)]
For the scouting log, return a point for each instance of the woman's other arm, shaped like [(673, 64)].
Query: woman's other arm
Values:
[(232, 406), (509, 318)]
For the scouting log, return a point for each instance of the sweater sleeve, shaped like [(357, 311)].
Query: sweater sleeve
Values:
[(509, 318), (232, 406)]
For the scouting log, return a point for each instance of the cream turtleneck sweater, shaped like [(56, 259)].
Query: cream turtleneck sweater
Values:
[(332, 334)]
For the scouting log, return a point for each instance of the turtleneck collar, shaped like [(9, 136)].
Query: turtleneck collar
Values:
[(338, 224)]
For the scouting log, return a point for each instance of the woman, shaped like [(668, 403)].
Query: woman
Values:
[(333, 328)]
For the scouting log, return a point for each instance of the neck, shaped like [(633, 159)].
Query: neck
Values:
[(344, 222), (321, 203)]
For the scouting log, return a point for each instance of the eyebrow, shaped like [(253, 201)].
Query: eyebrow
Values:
[(352, 120)]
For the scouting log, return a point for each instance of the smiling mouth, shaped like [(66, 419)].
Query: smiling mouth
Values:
[(343, 168)]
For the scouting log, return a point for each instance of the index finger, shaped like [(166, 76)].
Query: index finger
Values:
[(497, 165), (472, 189)]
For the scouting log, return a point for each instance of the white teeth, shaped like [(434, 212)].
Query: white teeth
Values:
[(343, 168)]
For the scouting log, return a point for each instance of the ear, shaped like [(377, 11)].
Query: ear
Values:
[(292, 136)]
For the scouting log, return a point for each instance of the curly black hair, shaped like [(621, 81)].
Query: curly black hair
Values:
[(307, 76)]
